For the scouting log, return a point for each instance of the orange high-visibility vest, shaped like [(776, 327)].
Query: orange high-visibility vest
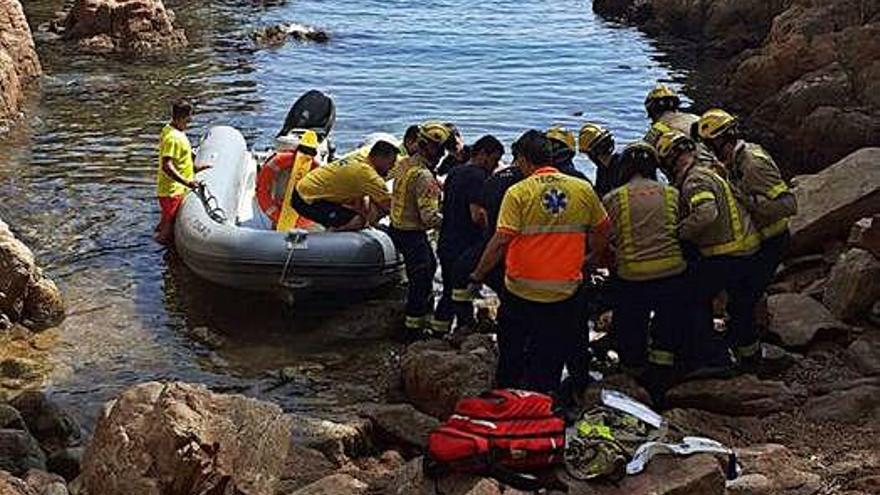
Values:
[(549, 214)]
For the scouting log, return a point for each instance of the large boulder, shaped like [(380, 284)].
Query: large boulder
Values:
[(796, 320), (744, 395), (854, 284), (26, 296), (434, 379), (129, 26), (179, 438), (19, 65), (830, 201), (401, 424)]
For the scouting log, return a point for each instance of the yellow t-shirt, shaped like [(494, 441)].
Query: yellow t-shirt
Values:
[(549, 214), (174, 144), (348, 179)]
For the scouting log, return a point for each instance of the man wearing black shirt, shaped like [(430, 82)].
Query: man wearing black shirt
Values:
[(461, 232)]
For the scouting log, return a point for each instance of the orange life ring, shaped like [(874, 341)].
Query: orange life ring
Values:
[(268, 196)]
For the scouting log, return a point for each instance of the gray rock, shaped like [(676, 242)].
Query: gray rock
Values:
[(744, 395), (47, 422), (797, 320), (304, 466), (865, 353), (854, 284), (434, 380), (853, 405), (180, 438), (401, 424), (66, 462), (337, 440), (44, 483), (19, 451), (832, 200), (865, 234), (335, 484), (695, 475)]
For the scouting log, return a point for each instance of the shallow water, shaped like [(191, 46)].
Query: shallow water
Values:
[(77, 182)]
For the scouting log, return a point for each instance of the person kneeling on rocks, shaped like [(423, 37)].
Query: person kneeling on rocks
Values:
[(333, 194)]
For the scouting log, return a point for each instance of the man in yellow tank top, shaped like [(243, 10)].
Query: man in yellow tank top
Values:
[(176, 172)]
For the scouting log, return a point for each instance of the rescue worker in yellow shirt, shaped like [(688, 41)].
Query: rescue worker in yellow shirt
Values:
[(333, 194), (597, 143), (415, 209), (759, 184), (664, 109), (721, 229), (650, 268), (545, 224)]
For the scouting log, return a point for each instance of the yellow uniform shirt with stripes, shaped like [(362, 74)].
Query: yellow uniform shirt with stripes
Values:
[(644, 218), (348, 179), (766, 194), (415, 197), (713, 218), (549, 215), (174, 144)]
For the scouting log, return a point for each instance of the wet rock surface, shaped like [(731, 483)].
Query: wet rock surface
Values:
[(19, 64), (26, 295), (274, 36), (121, 26), (179, 438)]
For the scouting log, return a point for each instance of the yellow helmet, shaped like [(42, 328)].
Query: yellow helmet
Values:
[(434, 131), (563, 135), (714, 123), (661, 91), (640, 148), (672, 143), (309, 140), (590, 136)]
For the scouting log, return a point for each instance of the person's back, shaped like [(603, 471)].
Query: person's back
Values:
[(461, 189), (348, 179), (644, 213)]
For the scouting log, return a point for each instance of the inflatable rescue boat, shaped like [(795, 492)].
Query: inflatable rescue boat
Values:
[(226, 231)]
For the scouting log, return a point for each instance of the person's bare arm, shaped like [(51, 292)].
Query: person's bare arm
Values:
[(171, 171)]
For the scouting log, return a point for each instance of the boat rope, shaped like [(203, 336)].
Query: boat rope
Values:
[(211, 204)]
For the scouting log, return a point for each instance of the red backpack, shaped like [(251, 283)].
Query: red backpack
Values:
[(513, 429)]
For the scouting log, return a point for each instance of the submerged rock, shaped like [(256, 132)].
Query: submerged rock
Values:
[(127, 26), (47, 422), (19, 451), (280, 34), (19, 65), (854, 284), (180, 438)]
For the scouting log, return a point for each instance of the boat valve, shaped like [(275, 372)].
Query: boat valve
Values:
[(297, 239)]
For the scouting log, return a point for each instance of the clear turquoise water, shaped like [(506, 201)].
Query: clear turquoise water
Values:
[(77, 183)]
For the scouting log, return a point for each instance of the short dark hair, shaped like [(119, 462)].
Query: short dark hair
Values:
[(412, 132), (383, 149), (487, 144), (534, 146), (181, 108)]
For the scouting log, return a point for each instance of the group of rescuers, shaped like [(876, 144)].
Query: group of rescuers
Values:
[(536, 230)]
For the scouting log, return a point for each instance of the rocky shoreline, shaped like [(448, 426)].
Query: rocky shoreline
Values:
[(803, 73)]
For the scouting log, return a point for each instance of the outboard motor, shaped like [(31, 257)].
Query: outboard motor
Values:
[(313, 111)]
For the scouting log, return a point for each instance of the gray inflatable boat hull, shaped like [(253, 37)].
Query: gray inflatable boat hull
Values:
[(241, 252)]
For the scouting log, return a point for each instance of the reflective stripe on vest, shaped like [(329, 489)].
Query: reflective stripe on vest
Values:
[(776, 190), (563, 287), (774, 229), (635, 270), (741, 244)]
